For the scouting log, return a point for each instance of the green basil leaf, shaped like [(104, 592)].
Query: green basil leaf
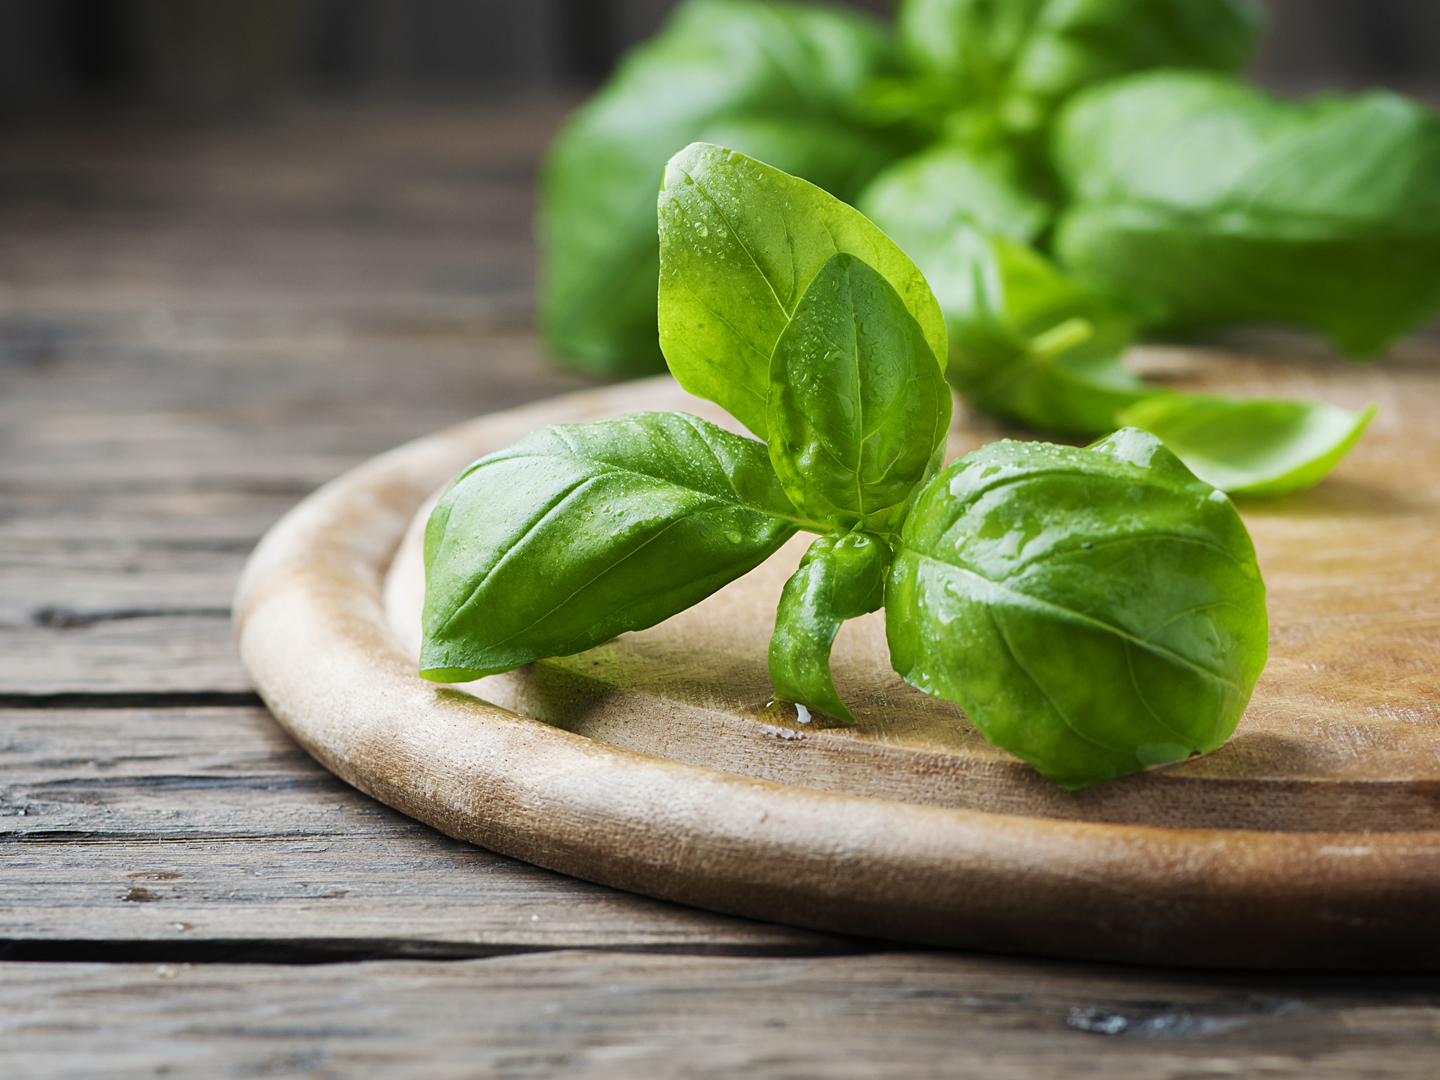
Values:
[(772, 79), (1094, 611), (841, 577), (858, 404), (922, 199), (1021, 58), (1031, 345), (576, 534), (1209, 202), (1028, 344), (740, 242), (1251, 446)]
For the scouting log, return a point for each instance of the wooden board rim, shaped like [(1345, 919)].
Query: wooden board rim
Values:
[(312, 631)]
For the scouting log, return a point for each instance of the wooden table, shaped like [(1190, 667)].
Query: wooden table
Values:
[(199, 325)]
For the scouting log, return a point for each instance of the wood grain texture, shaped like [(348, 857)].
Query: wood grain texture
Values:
[(906, 1016), (315, 636), (192, 828), (201, 325)]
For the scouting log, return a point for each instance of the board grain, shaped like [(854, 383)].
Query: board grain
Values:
[(195, 831), (906, 1016)]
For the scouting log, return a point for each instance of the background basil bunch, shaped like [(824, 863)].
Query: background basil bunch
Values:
[(1205, 201), (775, 80), (830, 95), (1095, 611), (1060, 197)]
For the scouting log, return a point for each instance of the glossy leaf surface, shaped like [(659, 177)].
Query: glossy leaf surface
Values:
[(1094, 611), (771, 79), (858, 404), (841, 577), (1209, 202), (740, 242), (1252, 446), (576, 534)]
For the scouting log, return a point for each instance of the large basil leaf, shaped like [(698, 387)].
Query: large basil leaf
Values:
[(1251, 446), (740, 242), (1019, 59), (771, 79), (841, 577), (576, 534), (1210, 202), (858, 404), (1094, 611)]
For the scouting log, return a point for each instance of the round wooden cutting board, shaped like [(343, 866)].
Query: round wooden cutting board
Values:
[(658, 763)]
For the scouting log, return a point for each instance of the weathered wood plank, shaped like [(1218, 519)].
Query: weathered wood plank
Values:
[(199, 325), (195, 826), (585, 1014)]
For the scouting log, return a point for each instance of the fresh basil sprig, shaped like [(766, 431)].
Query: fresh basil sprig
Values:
[(1096, 611)]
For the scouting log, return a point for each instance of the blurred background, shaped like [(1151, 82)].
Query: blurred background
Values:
[(208, 54)]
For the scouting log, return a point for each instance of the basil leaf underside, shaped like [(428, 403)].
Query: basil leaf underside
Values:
[(858, 404), (841, 576), (576, 534), (1094, 611), (1252, 446), (740, 242), (1208, 202), (770, 78)]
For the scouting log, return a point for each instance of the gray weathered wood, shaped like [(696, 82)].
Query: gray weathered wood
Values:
[(900, 1015), (191, 826), (200, 326)]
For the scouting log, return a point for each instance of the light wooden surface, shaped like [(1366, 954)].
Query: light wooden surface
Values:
[(137, 469)]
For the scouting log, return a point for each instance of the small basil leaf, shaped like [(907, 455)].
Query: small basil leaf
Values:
[(739, 243), (1094, 611), (576, 534), (920, 200), (841, 577), (1251, 446), (776, 79), (1209, 202), (1027, 343), (858, 405), (1032, 346)]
